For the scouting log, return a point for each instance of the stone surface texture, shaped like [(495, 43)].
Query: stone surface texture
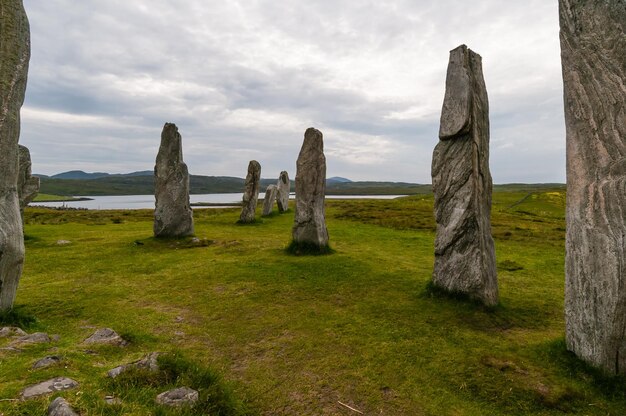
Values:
[(310, 217), (27, 184), (173, 216), (270, 196), (49, 386), (15, 52), (106, 336), (60, 407), (182, 396), (593, 54), (283, 191), (251, 192), (464, 249)]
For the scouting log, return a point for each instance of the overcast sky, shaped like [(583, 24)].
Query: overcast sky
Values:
[(243, 79)]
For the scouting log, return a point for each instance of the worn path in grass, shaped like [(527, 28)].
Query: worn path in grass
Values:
[(298, 335)]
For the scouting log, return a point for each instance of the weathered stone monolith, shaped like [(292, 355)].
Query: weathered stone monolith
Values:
[(464, 249), (283, 191), (173, 216), (309, 227), (15, 53), (593, 55), (270, 197), (251, 192), (27, 184)]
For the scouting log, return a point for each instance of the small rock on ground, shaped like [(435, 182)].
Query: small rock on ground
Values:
[(112, 400), (35, 338), (47, 361), (149, 362), (106, 336), (63, 242), (182, 396), (11, 331), (60, 407), (49, 386)]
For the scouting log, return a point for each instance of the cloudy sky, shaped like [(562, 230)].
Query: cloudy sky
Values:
[(243, 79)]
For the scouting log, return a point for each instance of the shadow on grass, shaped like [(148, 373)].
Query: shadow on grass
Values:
[(572, 367), (18, 316), (474, 314), (308, 249), (173, 242)]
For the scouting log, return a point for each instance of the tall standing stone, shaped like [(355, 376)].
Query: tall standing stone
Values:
[(251, 192), (15, 53), (464, 249), (593, 55), (27, 184), (283, 191), (173, 216), (270, 197), (309, 227)]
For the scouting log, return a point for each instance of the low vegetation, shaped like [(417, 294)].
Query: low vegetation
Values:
[(278, 334)]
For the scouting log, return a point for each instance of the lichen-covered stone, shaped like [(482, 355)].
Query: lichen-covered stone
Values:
[(251, 192), (593, 54), (464, 249), (283, 192), (15, 52), (27, 184), (270, 197), (310, 222), (173, 216)]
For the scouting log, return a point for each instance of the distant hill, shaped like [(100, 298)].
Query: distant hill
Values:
[(339, 179), (79, 174), (142, 183)]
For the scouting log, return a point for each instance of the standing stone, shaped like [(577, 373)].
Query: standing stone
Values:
[(283, 192), (15, 52), (251, 192), (464, 250), (593, 55), (309, 227), (27, 184), (270, 197), (173, 216)]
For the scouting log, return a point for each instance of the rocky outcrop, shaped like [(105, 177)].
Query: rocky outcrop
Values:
[(251, 192), (27, 184), (310, 223), (593, 54), (173, 216), (464, 249), (283, 192), (15, 52), (270, 197)]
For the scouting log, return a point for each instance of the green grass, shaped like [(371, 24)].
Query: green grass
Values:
[(50, 197), (296, 335)]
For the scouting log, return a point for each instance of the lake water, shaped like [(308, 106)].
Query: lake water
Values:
[(147, 201)]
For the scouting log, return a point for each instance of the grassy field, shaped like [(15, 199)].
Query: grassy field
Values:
[(275, 334)]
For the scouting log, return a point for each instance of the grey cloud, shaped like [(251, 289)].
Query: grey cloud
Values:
[(244, 79)]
